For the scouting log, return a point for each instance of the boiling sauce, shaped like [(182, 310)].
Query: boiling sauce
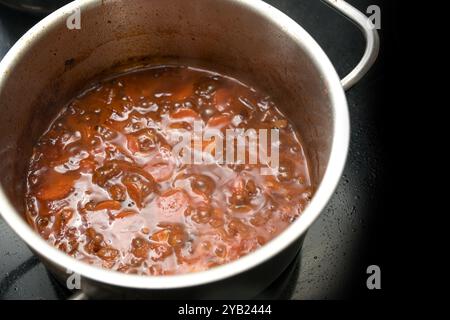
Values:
[(105, 186)]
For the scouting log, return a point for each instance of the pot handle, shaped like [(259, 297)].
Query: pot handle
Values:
[(370, 34)]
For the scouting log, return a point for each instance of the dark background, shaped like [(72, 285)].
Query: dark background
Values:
[(352, 232)]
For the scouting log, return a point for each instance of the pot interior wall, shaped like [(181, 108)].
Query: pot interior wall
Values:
[(222, 35)]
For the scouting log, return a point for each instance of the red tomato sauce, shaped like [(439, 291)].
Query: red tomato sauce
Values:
[(105, 187)]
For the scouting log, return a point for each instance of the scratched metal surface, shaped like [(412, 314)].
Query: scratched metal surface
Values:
[(329, 266)]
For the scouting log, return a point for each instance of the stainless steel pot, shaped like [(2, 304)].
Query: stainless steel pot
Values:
[(246, 38)]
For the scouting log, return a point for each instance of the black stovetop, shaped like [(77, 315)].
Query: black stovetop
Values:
[(332, 263)]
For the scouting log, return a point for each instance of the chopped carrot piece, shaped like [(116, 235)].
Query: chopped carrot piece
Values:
[(124, 214), (133, 143), (108, 205), (56, 186), (220, 121), (184, 113)]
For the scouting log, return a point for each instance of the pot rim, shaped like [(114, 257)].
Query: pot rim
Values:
[(336, 163)]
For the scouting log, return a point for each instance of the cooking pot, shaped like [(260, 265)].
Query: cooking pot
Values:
[(248, 39)]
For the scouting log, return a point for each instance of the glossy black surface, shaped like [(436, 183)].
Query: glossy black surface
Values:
[(336, 251), (35, 6)]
